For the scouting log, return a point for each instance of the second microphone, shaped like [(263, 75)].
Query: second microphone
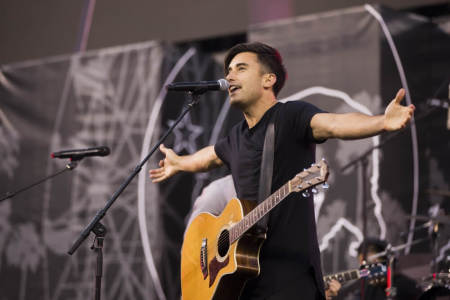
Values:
[(200, 86)]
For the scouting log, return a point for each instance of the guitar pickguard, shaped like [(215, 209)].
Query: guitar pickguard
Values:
[(214, 267)]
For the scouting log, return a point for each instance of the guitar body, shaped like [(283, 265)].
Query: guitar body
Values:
[(210, 267)]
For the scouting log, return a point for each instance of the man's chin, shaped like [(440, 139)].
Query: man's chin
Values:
[(238, 103), (233, 100)]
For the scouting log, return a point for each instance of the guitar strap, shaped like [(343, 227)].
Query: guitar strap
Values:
[(266, 171)]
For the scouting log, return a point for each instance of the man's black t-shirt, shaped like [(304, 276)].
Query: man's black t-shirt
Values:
[(290, 255)]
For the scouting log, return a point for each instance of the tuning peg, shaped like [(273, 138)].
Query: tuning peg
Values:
[(305, 194), (314, 191), (325, 186)]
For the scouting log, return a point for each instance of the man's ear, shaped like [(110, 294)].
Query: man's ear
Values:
[(269, 80)]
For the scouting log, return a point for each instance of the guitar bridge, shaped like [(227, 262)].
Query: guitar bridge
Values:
[(204, 258)]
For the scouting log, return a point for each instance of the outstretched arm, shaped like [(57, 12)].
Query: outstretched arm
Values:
[(356, 125), (203, 160)]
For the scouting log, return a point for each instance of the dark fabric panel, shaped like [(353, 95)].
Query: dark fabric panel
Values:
[(346, 54), (113, 97)]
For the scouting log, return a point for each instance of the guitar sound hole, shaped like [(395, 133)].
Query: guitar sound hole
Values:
[(223, 243)]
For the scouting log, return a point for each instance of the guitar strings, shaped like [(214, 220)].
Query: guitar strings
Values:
[(224, 236)]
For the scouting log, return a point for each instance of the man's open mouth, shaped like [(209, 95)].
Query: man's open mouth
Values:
[(233, 88)]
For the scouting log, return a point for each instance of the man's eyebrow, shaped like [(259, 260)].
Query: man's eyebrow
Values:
[(242, 64)]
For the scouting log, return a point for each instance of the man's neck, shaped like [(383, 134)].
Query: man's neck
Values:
[(255, 112)]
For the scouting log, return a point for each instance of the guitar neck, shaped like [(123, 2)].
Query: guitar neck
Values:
[(343, 276), (375, 272), (316, 174), (238, 229)]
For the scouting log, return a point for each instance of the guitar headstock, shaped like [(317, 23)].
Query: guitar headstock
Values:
[(375, 273), (308, 178)]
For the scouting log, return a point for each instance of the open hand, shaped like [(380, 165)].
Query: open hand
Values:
[(168, 167), (396, 116)]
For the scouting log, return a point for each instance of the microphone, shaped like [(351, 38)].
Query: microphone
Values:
[(199, 87), (78, 154)]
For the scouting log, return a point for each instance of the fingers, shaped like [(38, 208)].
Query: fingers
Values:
[(334, 287), (163, 148), (157, 175), (159, 172), (398, 116), (156, 172), (400, 95), (165, 170), (409, 113), (158, 180)]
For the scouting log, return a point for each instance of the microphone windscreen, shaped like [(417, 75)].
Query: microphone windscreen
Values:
[(224, 84)]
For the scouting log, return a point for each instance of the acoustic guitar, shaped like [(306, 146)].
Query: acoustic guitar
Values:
[(220, 253)]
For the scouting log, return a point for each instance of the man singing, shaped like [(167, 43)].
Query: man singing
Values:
[(289, 258)]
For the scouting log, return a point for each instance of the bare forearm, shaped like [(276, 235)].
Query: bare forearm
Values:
[(356, 126), (201, 161), (346, 126)]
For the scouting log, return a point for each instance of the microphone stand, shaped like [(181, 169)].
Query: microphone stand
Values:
[(69, 167), (98, 228), (100, 233), (389, 253), (363, 161), (391, 290), (434, 243)]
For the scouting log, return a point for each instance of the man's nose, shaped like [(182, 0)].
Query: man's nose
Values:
[(229, 76)]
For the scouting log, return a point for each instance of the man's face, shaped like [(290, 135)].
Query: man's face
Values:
[(369, 260), (245, 75)]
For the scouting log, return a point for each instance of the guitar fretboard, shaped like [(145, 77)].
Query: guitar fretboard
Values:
[(308, 178), (343, 276), (258, 212)]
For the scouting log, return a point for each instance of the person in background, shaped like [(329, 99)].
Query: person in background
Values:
[(369, 289)]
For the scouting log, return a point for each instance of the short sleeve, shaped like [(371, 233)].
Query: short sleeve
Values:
[(223, 150), (226, 147), (300, 114)]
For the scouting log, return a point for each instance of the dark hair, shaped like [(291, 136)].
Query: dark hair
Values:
[(372, 245), (269, 57)]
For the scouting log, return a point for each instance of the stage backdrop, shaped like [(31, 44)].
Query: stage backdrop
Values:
[(356, 60), (350, 60)]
